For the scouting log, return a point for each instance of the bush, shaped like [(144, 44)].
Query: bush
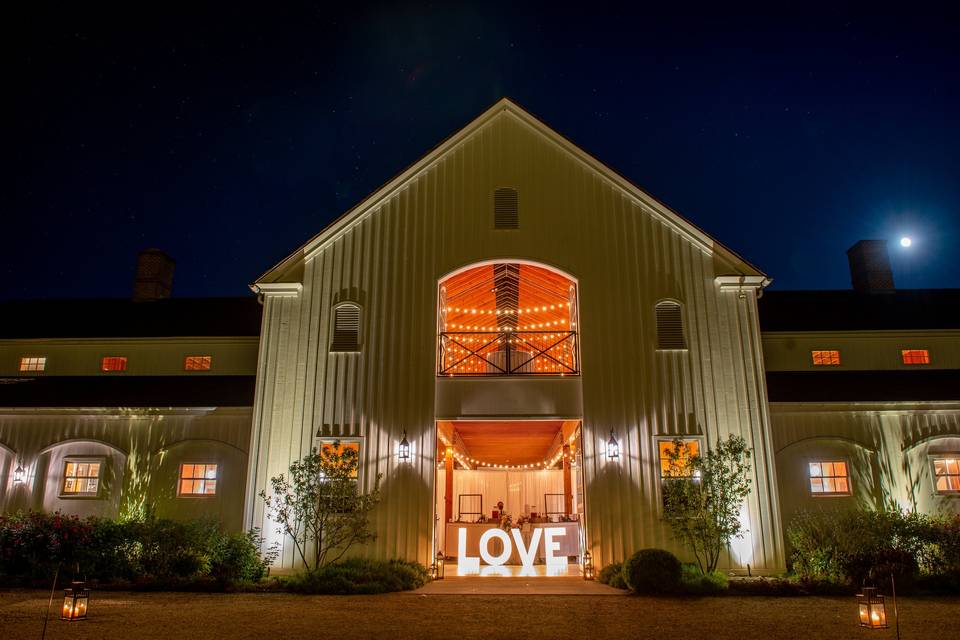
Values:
[(696, 583), (652, 571), (849, 547), (612, 575), (359, 576), (32, 545)]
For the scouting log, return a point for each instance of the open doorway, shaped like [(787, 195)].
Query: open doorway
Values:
[(509, 497)]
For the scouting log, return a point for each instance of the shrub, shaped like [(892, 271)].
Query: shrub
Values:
[(32, 544), (359, 576), (695, 583), (612, 575), (652, 571)]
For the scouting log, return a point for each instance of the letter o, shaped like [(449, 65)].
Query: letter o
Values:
[(485, 544)]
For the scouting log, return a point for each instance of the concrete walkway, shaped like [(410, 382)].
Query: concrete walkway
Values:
[(495, 585)]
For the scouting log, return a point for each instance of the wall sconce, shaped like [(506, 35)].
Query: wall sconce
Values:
[(613, 448), (587, 566), (403, 451), (75, 600), (18, 473)]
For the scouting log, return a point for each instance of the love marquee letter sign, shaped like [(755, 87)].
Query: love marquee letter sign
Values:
[(471, 565)]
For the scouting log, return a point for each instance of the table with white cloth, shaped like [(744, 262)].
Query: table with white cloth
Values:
[(569, 542)]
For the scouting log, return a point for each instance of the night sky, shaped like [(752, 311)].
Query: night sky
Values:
[(229, 137)]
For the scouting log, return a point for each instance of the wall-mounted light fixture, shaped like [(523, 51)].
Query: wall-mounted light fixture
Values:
[(18, 473), (403, 451), (613, 448)]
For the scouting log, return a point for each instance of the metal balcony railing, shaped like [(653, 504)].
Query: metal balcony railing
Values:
[(508, 353)]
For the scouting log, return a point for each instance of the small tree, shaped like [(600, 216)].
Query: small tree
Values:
[(703, 495), (320, 505)]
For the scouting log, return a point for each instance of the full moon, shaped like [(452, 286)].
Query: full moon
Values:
[(905, 241)]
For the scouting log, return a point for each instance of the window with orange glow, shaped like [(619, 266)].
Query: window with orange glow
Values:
[(829, 478), (198, 479), (81, 478), (33, 363), (825, 358), (946, 474), (329, 446), (113, 363), (915, 356), (197, 363), (671, 469)]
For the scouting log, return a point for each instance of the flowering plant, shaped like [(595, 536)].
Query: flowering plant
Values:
[(506, 522)]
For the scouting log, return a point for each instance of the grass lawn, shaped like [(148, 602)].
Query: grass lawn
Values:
[(406, 615)]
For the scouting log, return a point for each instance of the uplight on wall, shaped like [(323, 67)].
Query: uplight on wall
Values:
[(403, 449), (613, 448)]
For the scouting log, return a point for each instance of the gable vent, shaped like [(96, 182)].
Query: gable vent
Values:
[(506, 213), (346, 328), (669, 326)]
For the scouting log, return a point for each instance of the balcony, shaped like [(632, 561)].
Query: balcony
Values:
[(508, 353)]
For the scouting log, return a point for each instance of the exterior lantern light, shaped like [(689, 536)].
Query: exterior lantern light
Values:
[(587, 566), (18, 473), (436, 569), (613, 448), (403, 452), (873, 611), (75, 600)]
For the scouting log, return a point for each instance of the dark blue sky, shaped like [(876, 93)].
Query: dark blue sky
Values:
[(229, 137)]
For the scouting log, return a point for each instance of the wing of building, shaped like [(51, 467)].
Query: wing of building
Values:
[(507, 328)]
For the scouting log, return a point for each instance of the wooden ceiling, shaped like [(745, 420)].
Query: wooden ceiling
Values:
[(471, 299), (505, 442)]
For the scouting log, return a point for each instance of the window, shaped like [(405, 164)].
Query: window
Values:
[(33, 363), (669, 325), (81, 478), (829, 478), (825, 358), (506, 210), (197, 479), (114, 363), (346, 328), (915, 356), (197, 363), (330, 446), (676, 469), (946, 474)]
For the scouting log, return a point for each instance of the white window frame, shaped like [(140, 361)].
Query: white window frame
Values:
[(832, 494), (35, 364), (933, 472), (99, 460), (180, 479)]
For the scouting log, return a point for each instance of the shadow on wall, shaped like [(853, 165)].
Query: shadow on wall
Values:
[(51, 491)]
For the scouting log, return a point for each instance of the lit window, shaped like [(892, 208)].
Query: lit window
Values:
[(829, 478), (825, 358), (915, 356), (114, 363), (197, 363), (31, 363), (946, 473), (197, 480), (328, 447), (673, 468), (81, 478)]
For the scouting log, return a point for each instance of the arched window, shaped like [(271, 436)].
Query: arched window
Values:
[(346, 328), (670, 325)]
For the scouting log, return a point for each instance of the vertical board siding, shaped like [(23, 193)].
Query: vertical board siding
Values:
[(625, 258)]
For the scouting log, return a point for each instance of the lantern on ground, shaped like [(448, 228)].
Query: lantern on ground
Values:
[(18, 473), (75, 600), (613, 448), (587, 566), (403, 451), (873, 612), (436, 569)]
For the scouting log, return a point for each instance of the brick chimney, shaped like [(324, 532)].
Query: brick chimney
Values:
[(870, 269), (154, 277)]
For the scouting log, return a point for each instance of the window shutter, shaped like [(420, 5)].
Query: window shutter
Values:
[(669, 326), (506, 213), (346, 328)]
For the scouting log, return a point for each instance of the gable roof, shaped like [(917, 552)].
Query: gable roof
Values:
[(288, 270)]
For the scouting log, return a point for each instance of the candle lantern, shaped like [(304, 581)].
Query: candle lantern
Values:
[(18, 473), (436, 569), (613, 448), (587, 566), (403, 451), (873, 612), (75, 600)]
